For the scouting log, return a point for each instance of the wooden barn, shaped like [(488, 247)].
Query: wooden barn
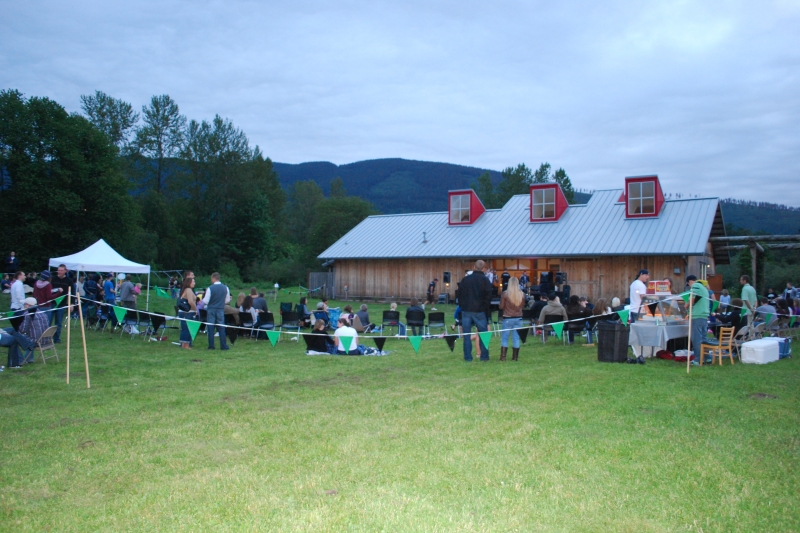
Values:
[(598, 247)]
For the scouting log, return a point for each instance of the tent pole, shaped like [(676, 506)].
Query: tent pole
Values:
[(147, 305), (85, 355), (69, 312)]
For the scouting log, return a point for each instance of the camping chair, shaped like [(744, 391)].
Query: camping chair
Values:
[(444, 298), (103, 318), (266, 321), (322, 315), (358, 326), (547, 329), (289, 320), (723, 348), (390, 319), (436, 320), (156, 322), (334, 313), (246, 322), (527, 317), (45, 342), (143, 324), (416, 319), (131, 320)]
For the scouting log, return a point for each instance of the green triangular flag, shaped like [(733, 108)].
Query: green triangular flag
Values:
[(558, 327), (767, 318), (791, 321), (273, 336), (485, 337), (714, 305), (344, 343), (59, 300), (416, 340), (623, 315), (120, 313), (162, 293), (685, 297), (194, 327), (744, 311)]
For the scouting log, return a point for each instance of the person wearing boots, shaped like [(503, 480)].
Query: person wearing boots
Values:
[(511, 303)]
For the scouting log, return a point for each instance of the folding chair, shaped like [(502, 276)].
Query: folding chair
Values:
[(289, 320), (322, 315), (286, 307), (390, 319), (45, 342), (416, 319), (156, 322), (246, 321), (547, 328), (266, 322), (131, 320), (436, 320)]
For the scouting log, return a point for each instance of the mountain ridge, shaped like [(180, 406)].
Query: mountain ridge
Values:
[(397, 185)]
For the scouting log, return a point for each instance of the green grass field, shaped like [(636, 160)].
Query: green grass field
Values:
[(264, 438)]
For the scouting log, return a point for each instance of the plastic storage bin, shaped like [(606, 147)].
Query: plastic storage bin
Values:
[(761, 351), (612, 342)]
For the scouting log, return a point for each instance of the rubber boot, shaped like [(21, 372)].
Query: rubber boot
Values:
[(503, 352), (515, 354)]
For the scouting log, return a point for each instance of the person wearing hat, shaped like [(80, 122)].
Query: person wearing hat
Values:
[(700, 311), (43, 292)]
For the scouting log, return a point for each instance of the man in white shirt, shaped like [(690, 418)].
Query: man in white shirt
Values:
[(18, 292), (638, 289), (344, 330), (215, 299)]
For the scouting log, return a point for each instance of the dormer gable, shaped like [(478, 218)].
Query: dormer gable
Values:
[(643, 197), (463, 207), (547, 202)]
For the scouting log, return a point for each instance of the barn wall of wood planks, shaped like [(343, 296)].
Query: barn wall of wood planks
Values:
[(604, 277)]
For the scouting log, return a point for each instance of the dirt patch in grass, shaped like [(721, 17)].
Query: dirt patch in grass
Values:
[(762, 396)]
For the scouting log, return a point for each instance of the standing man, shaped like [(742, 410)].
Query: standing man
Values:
[(700, 310), (475, 298), (749, 298), (215, 298), (18, 292), (432, 291), (638, 289), (790, 293), (62, 284), (523, 282), (11, 264), (126, 296)]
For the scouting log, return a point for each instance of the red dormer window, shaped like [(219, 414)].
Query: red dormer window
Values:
[(464, 207), (548, 202), (643, 197)]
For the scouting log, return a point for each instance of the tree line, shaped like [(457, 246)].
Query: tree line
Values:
[(161, 189), (517, 180)]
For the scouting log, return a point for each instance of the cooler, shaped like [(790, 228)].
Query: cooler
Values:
[(761, 351)]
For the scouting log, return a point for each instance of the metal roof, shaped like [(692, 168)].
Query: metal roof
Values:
[(596, 228)]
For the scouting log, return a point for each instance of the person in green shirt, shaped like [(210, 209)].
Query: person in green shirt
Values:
[(749, 298), (700, 310)]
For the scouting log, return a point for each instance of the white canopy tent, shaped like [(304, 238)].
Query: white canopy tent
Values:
[(100, 257)]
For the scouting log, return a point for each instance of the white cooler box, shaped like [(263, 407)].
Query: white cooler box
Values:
[(761, 351)]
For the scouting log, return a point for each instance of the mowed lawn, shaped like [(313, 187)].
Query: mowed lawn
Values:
[(264, 438)]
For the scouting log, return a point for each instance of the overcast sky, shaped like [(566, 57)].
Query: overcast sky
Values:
[(704, 94)]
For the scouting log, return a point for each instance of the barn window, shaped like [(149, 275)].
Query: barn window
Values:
[(459, 208), (543, 204), (642, 198)]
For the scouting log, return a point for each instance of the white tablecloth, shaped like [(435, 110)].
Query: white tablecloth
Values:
[(648, 334)]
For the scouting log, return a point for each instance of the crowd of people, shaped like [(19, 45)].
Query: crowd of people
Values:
[(215, 307)]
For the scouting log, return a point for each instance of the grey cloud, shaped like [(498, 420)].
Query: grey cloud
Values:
[(705, 95)]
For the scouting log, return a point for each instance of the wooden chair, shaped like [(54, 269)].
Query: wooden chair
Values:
[(45, 342), (724, 348)]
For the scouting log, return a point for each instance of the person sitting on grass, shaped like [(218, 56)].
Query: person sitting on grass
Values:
[(344, 330), (319, 340)]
